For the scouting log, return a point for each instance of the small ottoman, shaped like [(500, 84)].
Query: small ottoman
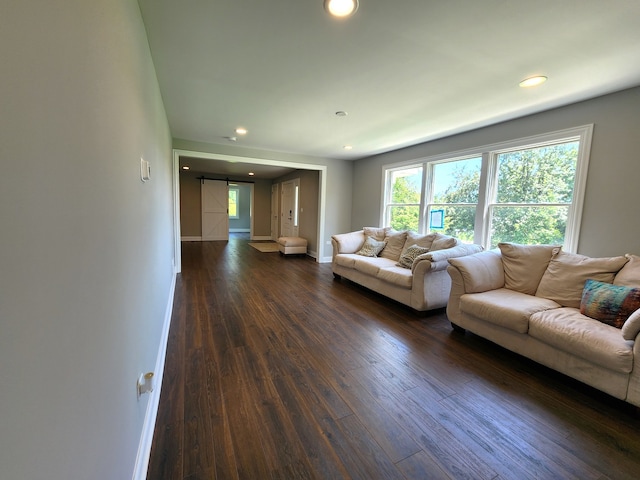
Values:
[(292, 245)]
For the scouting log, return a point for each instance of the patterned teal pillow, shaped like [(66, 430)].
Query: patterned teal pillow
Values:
[(409, 255), (610, 304), (371, 247)]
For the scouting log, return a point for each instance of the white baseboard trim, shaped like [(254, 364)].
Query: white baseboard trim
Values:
[(191, 239), (148, 427)]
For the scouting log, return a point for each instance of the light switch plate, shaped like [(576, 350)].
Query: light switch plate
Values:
[(145, 170)]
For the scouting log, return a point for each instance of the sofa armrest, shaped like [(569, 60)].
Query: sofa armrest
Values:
[(347, 242), (479, 272), (631, 327), (438, 259)]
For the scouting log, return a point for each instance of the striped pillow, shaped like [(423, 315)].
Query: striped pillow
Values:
[(409, 255), (371, 247)]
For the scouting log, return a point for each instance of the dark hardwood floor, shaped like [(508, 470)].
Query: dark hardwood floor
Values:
[(276, 371)]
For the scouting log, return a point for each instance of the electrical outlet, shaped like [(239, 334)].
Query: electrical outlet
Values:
[(145, 383)]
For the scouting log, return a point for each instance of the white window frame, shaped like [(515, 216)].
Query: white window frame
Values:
[(428, 192), (387, 192), (488, 180)]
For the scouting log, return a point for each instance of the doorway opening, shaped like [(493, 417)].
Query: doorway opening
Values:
[(321, 204)]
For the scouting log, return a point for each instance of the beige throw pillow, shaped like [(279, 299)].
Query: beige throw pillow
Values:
[(395, 244), (564, 279), (629, 276), (524, 265)]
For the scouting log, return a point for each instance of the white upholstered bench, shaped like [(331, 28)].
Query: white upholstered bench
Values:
[(292, 245)]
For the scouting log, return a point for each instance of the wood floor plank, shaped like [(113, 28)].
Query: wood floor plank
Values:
[(317, 448), (274, 370), (421, 465), (199, 457)]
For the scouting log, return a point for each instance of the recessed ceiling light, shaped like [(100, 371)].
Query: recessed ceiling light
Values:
[(251, 174), (341, 8), (533, 81), (185, 167), (241, 131), (341, 113), (348, 147)]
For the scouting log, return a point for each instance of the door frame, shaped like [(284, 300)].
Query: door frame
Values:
[(275, 208), (177, 153)]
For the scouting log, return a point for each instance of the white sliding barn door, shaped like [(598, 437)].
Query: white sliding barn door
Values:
[(215, 210)]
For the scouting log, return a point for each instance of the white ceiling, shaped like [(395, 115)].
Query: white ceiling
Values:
[(406, 71)]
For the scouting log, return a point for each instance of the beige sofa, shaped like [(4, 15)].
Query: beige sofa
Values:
[(529, 299), (422, 283)]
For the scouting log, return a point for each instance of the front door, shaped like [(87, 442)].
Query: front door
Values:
[(289, 208), (215, 210)]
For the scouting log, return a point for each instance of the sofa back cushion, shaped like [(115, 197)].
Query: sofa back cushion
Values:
[(524, 265), (441, 242), (394, 244), (378, 233), (566, 274), (424, 241), (629, 276)]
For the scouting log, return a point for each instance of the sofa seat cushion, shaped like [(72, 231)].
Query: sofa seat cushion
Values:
[(568, 330), (347, 260), (504, 307), (399, 276), (371, 265)]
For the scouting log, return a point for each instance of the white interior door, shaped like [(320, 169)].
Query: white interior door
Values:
[(274, 212), (215, 210), (289, 208)]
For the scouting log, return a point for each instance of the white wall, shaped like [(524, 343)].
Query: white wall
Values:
[(86, 248), (609, 222)]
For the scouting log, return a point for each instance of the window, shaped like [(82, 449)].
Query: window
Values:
[(453, 197), (526, 191), (234, 197), (533, 194), (404, 190)]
